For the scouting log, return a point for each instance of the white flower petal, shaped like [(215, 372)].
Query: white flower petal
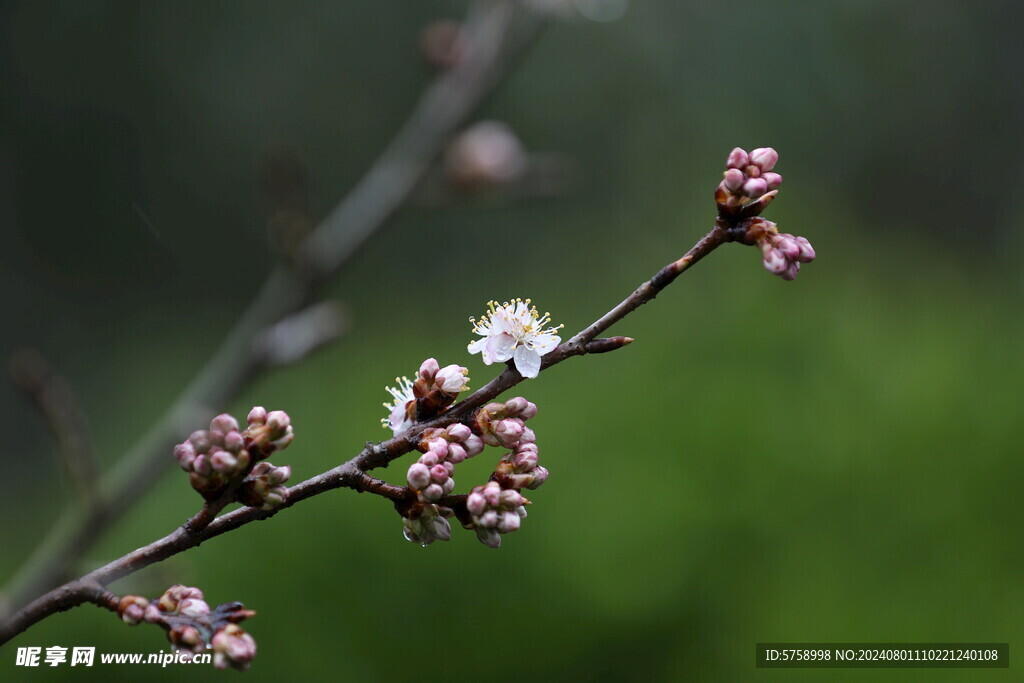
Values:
[(545, 343), (500, 347), (477, 346), (527, 362)]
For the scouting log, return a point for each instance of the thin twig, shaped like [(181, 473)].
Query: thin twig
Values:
[(353, 474), (497, 32)]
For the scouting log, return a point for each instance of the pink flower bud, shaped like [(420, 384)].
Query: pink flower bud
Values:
[(448, 486), (233, 647), (516, 405), (201, 466), (755, 187), (528, 436), (449, 467), (224, 423), (257, 416), (791, 271), (476, 504), (279, 475), (223, 462), (508, 522), (132, 609), (788, 246), (234, 441), (456, 453), (153, 614), (418, 476), (200, 440), (806, 250), (764, 158), (278, 421), (474, 445), (433, 492), (510, 499), (458, 432), (530, 411), (524, 461), (540, 475), (492, 493), (452, 379), (429, 459), (193, 607), (489, 519), (520, 480), (508, 431), (185, 453), (774, 262), (428, 369), (773, 180), (733, 179), (439, 473), (438, 447), (737, 158)]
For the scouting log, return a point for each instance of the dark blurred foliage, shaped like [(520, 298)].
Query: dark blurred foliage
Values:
[(833, 459)]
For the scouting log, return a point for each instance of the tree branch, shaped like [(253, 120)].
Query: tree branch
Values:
[(353, 474), (496, 32)]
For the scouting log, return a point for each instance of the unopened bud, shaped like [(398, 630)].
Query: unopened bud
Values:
[(224, 423), (459, 432), (755, 187), (428, 369), (257, 416), (764, 158), (737, 158), (733, 179), (452, 379)]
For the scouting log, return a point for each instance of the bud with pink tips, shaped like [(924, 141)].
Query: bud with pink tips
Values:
[(495, 511), (232, 647), (264, 487), (748, 182), (781, 252), (502, 424), (132, 609)]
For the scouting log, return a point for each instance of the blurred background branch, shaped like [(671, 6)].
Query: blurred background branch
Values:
[(52, 394)]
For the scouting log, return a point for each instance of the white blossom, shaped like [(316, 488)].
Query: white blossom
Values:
[(398, 410), (514, 330)]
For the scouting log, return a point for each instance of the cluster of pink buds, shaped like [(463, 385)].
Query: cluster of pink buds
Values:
[(453, 443), (749, 176), (434, 389), (263, 487), (783, 253), (519, 469), (431, 476), (221, 455), (232, 647), (213, 457), (502, 424), (192, 626), (425, 523), (495, 511), (749, 185)]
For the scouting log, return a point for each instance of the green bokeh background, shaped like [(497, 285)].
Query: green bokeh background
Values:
[(832, 459)]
